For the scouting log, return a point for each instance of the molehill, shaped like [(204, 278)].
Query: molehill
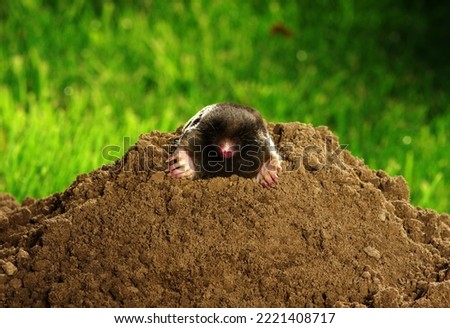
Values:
[(334, 233)]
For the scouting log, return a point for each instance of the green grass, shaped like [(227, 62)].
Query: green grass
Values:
[(76, 77)]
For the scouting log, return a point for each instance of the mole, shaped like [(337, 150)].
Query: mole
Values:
[(225, 139)]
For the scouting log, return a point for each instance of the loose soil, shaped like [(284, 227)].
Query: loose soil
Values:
[(334, 233)]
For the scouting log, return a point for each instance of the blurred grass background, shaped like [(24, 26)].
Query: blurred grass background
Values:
[(78, 75)]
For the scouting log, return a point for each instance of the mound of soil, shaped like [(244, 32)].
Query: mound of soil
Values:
[(333, 233)]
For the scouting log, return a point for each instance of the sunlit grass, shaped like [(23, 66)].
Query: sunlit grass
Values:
[(76, 77)]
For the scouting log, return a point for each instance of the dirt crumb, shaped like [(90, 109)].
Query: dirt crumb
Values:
[(333, 233), (8, 268)]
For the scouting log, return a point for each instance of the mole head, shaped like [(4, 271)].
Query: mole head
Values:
[(227, 148)]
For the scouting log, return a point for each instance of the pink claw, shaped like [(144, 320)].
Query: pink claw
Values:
[(267, 175), (183, 165)]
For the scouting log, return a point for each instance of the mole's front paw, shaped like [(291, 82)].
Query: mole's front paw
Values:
[(180, 165), (268, 174)]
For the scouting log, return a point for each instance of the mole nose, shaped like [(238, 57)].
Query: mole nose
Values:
[(227, 153), (227, 149)]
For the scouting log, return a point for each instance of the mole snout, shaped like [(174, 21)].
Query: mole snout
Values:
[(227, 148), (226, 139)]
